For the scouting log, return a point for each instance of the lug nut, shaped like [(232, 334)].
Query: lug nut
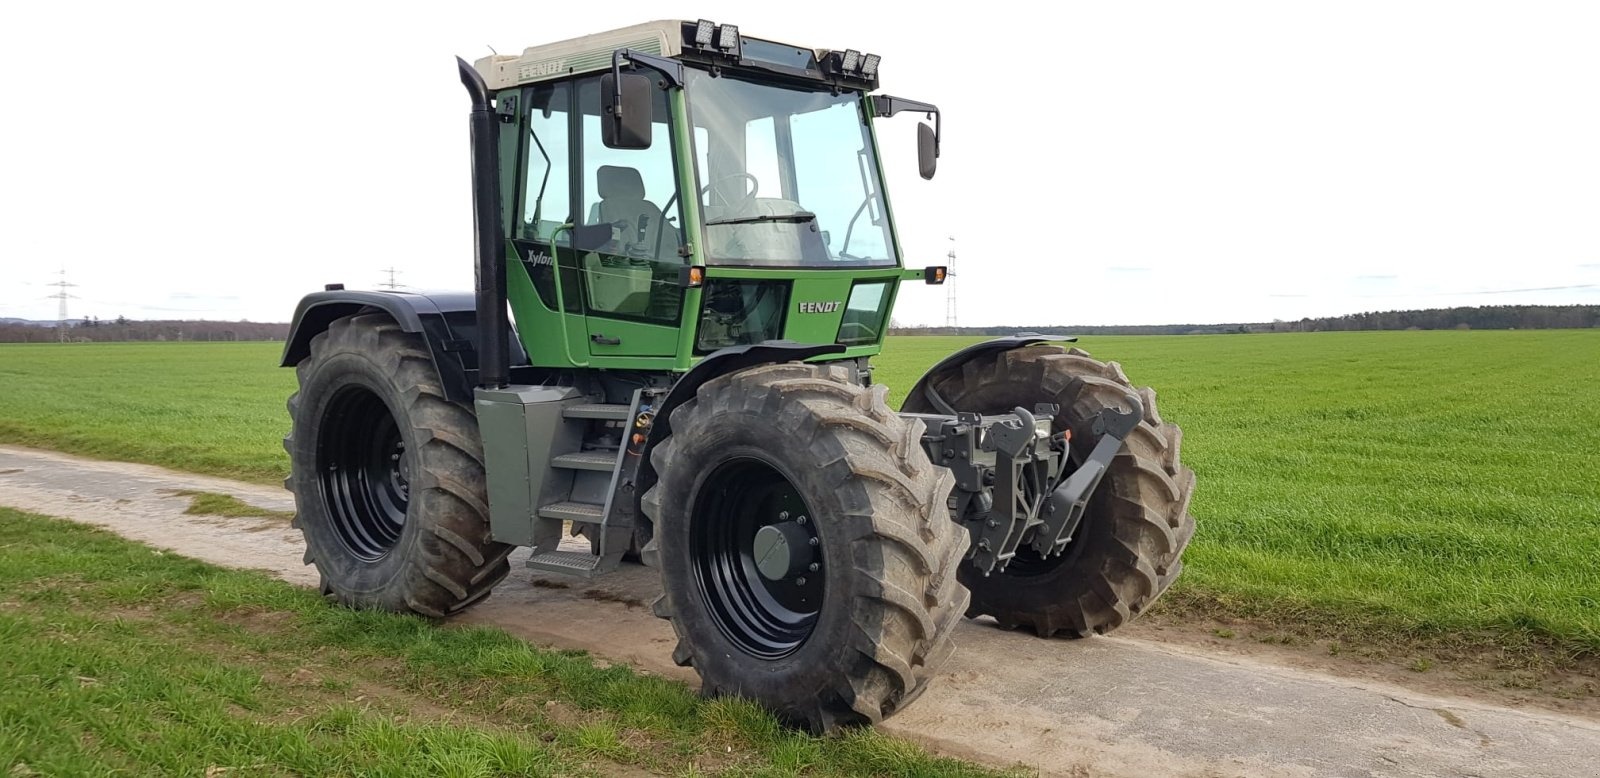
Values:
[(800, 520), (813, 567), (801, 581), (783, 515), (814, 541)]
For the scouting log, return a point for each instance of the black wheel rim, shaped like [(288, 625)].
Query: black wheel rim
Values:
[(365, 473), (768, 619)]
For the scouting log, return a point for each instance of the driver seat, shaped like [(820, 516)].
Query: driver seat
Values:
[(636, 222)]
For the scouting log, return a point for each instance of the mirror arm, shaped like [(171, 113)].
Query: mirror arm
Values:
[(885, 106), (672, 69)]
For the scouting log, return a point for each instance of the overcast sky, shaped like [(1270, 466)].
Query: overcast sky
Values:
[(1104, 163)]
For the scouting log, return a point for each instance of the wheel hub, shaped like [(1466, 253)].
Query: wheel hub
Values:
[(757, 558), (780, 550)]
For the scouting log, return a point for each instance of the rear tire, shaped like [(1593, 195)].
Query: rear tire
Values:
[(1129, 547), (388, 475), (854, 640)]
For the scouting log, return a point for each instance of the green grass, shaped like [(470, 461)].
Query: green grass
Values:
[(228, 506), (213, 408), (1441, 486), (120, 659)]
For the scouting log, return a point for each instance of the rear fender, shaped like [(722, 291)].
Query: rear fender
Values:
[(447, 322)]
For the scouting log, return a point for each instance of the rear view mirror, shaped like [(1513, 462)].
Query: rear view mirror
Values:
[(927, 151), (626, 120)]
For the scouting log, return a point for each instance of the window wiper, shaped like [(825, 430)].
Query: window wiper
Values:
[(798, 217)]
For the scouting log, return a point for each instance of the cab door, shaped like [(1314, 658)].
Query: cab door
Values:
[(633, 300)]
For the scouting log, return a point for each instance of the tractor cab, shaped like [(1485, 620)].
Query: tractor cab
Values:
[(675, 188)]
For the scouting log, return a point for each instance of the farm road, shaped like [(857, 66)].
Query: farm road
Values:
[(1100, 707)]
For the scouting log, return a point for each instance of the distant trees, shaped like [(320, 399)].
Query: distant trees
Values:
[(125, 329), (1489, 317)]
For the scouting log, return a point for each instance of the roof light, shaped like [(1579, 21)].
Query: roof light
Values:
[(869, 66), (702, 32), (852, 58), (728, 37)]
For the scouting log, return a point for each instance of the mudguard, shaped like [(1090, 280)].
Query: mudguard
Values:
[(720, 362), (447, 321), (958, 358)]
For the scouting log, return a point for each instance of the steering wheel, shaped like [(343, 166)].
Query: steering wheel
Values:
[(755, 186)]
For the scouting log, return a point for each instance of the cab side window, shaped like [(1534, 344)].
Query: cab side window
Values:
[(635, 192)]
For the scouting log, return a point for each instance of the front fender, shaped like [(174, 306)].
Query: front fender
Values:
[(958, 358), (720, 362)]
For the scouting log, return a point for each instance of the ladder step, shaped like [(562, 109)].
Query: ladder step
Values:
[(596, 411), (573, 511), (565, 563), (604, 461)]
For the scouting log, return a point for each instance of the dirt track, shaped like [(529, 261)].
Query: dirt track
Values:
[(1107, 706)]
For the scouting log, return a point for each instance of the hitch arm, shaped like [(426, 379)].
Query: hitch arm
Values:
[(1064, 511)]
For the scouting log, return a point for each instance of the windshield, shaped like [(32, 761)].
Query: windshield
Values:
[(788, 176)]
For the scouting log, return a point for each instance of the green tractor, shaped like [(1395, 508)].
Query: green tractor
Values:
[(686, 261)]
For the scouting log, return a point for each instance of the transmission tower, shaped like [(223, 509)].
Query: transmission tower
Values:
[(62, 296), (392, 284), (949, 287)]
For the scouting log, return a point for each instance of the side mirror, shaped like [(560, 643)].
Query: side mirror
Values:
[(625, 120), (927, 151)]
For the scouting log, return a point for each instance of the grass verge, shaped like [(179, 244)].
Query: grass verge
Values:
[(119, 658)]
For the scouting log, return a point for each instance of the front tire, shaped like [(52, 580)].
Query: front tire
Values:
[(807, 557), (388, 475), (1129, 547)]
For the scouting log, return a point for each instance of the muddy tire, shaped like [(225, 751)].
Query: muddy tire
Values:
[(1129, 548), (388, 475), (799, 458)]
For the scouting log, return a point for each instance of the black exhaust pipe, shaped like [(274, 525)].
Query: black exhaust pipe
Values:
[(494, 350)]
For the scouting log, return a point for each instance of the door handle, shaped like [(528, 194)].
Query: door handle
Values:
[(601, 339)]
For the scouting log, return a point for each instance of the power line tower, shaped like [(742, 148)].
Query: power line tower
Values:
[(392, 284), (949, 286), (61, 310)]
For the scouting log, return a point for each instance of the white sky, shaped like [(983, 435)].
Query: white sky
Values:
[(1103, 163)]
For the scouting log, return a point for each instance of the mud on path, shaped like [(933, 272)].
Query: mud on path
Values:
[(1111, 706)]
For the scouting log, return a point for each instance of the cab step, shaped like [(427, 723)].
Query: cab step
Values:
[(572, 563), (582, 512), (600, 459), (607, 411)]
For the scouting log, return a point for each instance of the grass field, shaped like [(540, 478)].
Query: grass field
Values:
[(121, 660), (1432, 485)]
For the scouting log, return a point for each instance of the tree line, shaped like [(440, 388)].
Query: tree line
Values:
[(123, 329), (1487, 317)]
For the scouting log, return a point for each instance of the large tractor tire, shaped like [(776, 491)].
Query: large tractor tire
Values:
[(806, 552), (1128, 549), (388, 475)]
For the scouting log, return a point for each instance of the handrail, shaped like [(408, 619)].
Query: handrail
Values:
[(561, 302)]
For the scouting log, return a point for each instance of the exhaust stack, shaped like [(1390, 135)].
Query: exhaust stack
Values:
[(494, 349)]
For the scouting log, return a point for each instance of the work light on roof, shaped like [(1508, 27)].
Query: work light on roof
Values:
[(852, 59), (869, 65), (703, 30), (728, 37)]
